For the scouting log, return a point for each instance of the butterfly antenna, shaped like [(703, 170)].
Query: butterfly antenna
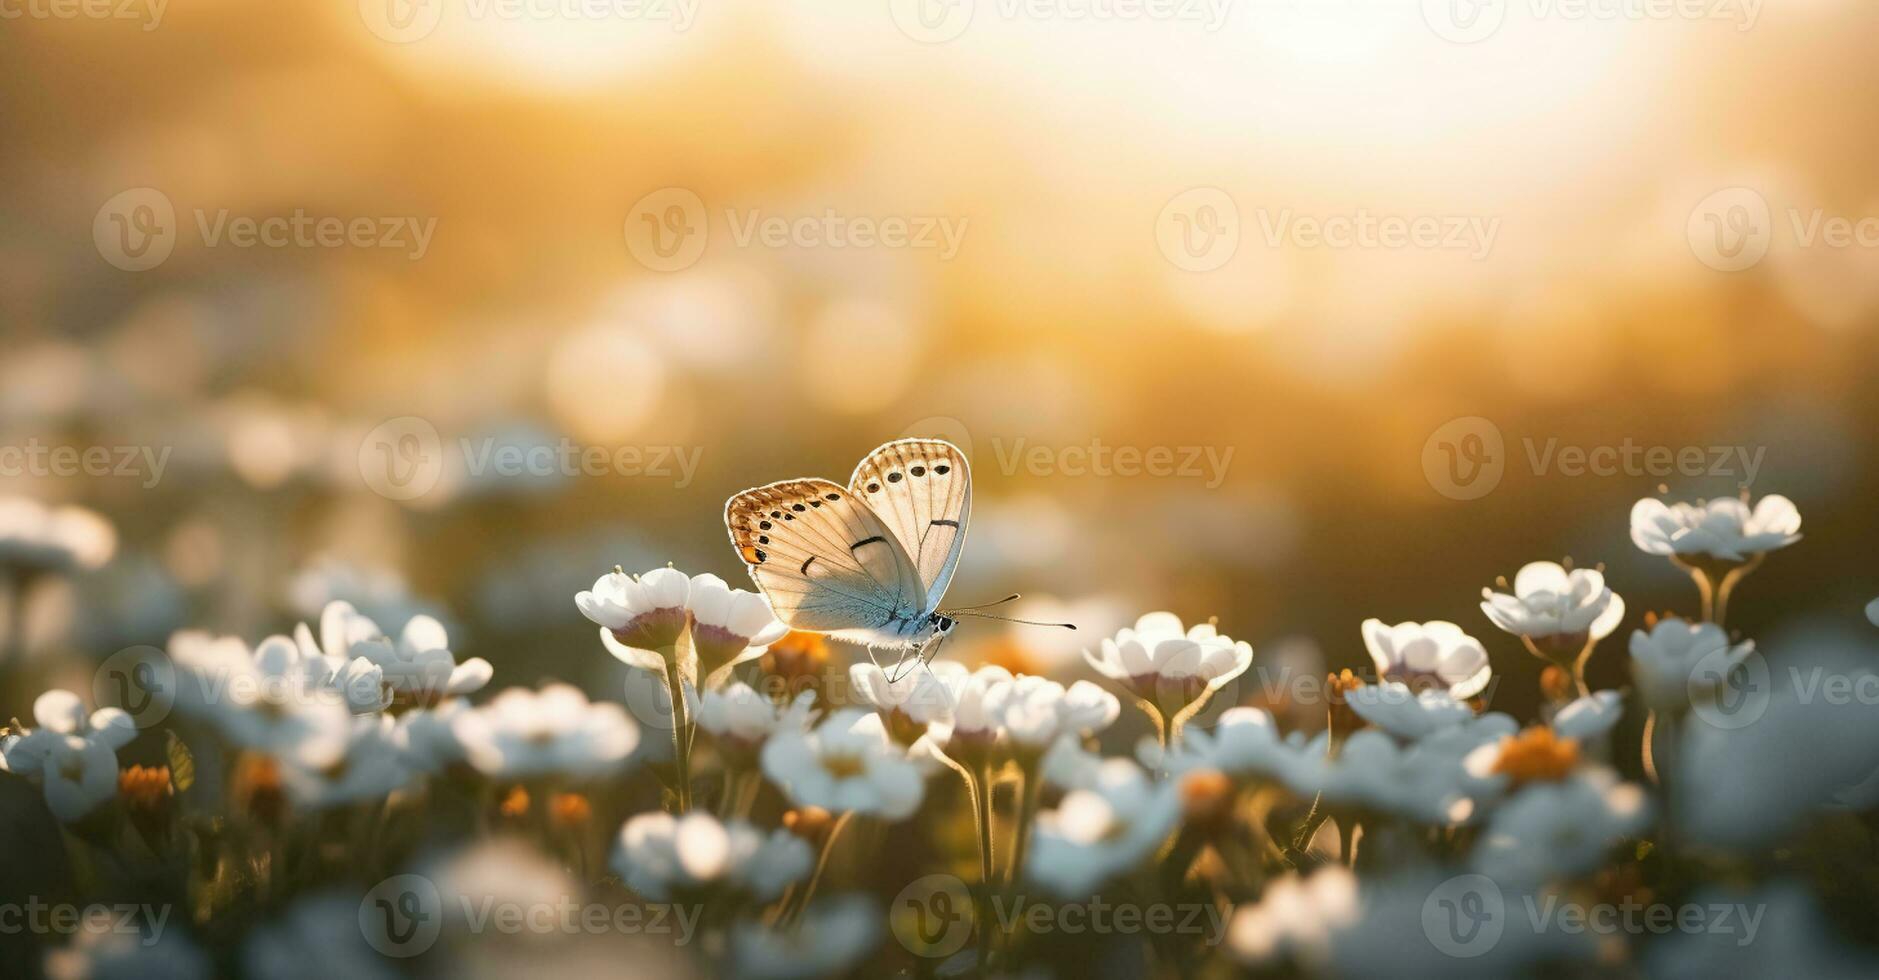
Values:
[(1014, 597), (1008, 619)]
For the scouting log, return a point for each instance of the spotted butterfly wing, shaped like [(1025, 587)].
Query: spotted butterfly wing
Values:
[(827, 562), (922, 490)]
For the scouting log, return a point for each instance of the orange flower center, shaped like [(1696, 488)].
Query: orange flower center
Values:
[(1536, 755)]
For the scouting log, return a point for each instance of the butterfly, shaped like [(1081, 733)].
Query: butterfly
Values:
[(868, 562)]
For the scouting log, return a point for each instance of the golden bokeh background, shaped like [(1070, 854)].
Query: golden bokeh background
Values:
[(1069, 155)]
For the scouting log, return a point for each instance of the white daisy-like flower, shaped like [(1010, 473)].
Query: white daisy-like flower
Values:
[(831, 938), (1167, 665), (1589, 717), (845, 763), (741, 720), (1550, 602), (1402, 711), (974, 735), (921, 697), (374, 765), (37, 538), (429, 735), (273, 699), (1664, 662), (1560, 829), (729, 626), (1435, 655), (666, 858), (1724, 529), (77, 775), (1425, 781), (555, 731), (492, 873), (1033, 712), (418, 667), (639, 615), (64, 713), (1102, 830), (1245, 744), (1294, 919)]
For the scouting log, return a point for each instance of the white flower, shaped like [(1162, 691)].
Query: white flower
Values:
[(1103, 830), (1295, 918), (1552, 830), (1168, 666), (1402, 914), (1435, 655), (1589, 717), (639, 615), (1664, 661), (920, 698), (273, 699), (832, 937), (1406, 713), (1549, 601), (418, 667), (975, 728), (495, 873), (1425, 781), (741, 720), (555, 731), (1246, 743), (78, 775), (1033, 711), (319, 937), (1792, 937), (845, 763), (1724, 529), (429, 735), (373, 765), (62, 712), (729, 626), (665, 858), (37, 538)]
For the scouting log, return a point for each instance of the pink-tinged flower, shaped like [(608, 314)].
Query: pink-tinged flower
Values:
[(729, 626), (1432, 656), (1550, 601), (639, 615), (1724, 529)]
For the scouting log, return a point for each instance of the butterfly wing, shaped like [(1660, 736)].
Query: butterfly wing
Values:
[(922, 490), (825, 560)]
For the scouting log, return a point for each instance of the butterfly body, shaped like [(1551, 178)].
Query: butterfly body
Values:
[(869, 562)]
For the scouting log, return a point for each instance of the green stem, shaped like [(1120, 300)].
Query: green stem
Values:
[(681, 738), (822, 862), (1033, 789)]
